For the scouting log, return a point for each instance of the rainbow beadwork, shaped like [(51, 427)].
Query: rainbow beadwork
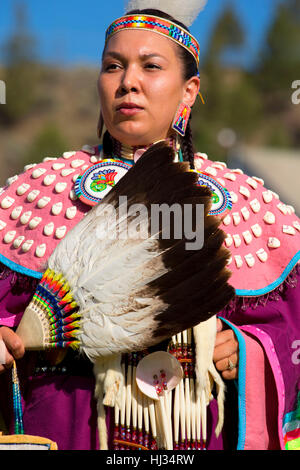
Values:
[(157, 25)]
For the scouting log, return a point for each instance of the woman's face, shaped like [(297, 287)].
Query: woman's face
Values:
[(141, 86)]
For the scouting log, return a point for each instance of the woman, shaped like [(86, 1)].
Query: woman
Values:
[(145, 78)]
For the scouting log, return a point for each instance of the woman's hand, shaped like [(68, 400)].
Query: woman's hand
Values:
[(11, 348), (226, 353)]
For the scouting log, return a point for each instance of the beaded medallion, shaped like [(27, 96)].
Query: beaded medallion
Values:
[(95, 182), (221, 199)]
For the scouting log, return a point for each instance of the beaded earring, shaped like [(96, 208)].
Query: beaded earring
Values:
[(181, 119)]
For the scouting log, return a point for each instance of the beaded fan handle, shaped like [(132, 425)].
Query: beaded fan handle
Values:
[(17, 403)]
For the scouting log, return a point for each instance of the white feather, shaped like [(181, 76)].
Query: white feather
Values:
[(185, 11)]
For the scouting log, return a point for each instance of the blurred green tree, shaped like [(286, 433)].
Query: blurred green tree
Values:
[(49, 143), (21, 71)]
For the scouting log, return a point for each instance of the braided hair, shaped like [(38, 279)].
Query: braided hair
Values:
[(190, 70)]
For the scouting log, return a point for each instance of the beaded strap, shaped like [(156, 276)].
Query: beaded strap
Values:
[(157, 25), (17, 404)]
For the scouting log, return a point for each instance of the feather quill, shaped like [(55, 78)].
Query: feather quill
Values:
[(184, 11)]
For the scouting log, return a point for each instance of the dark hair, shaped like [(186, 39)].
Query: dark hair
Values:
[(190, 70)]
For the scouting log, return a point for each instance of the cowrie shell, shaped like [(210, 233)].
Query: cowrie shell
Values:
[(230, 176), (67, 172), (237, 240), (60, 187), (291, 210), (250, 260), (27, 246), (211, 171), (77, 163), (288, 230), (71, 212), (221, 181), (227, 220), (236, 218), (257, 230), (282, 207), (262, 255), (273, 242), (11, 180), (245, 213), (247, 237), (296, 224), (198, 164), (219, 165), (84, 167), (229, 261), (28, 167), (61, 232), (49, 159), (2, 225), (35, 222), (43, 202), (255, 205), (38, 172), (73, 195), (269, 218), (18, 242), (75, 177), (244, 191), (238, 171), (49, 229), (57, 208), (9, 236), (22, 189), (41, 250), (16, 212), (234, 197), (238, 261), (259, 180), (252, 183), (267, 196), (202, 155), (33, 195), (25, 217), (58, 166), (49, 179), (68, 155), (7, 202), (228, 240)]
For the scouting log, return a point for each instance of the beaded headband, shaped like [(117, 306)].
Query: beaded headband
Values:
[(157, 25)]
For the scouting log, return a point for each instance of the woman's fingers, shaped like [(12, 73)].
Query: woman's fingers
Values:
[(226, 354), (11, 348)]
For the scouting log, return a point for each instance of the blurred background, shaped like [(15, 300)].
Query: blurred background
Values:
[(50, 55)]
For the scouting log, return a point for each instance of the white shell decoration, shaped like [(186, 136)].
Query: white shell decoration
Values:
[(71, 212), (211, 171), (38, 172), (198, 164), (202, 155), (9, 236), (250, 260), (238, 171), (25, 217), (49, 159), (2, 225), (73, 195), (269, 218), (259, 180), (221, 181), (58, 166), (245, 213), (16, 212), (68, 155), (234, 197), (290, 209), (75, 177), (60, 187), (41, 250), (296, 224), (61, 232), (237, 240), (18, 242), (230, 176), (273, 242), (7, 202), (151, 369), (238, 261), (22, 189), (244, 191), (49, 229), (27, 246), (219, 165), (77, 163), (282, 207), (28, 167), (267, 196), (252, 183), (35, 222), (43, 202), (257, 230), (262, 255), (255, 205), (288, 230), (247, 237), (33, 195), (228, 240), (11, 180), (49, 179), (67, 172), (227, 220), (236, 218), (57, 208)]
